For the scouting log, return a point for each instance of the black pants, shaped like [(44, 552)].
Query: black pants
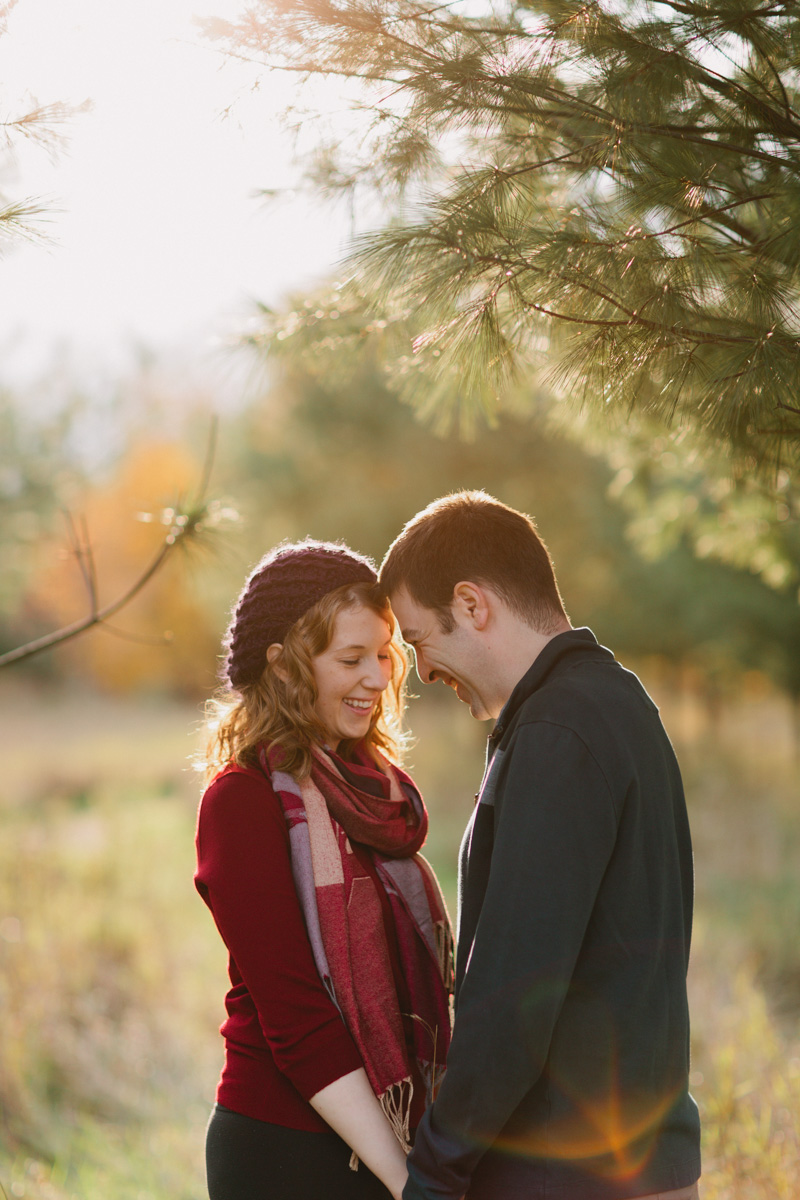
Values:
[(253, 1160)]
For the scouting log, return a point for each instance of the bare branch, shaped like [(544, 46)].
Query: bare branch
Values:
[(186, 526), (81, 547), (141, 639)]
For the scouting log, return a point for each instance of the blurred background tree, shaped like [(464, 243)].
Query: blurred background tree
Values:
[(34, 469)]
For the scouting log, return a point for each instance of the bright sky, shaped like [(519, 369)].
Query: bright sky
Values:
[(159, 239)]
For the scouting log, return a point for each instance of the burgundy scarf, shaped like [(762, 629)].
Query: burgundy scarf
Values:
[(344, 917)]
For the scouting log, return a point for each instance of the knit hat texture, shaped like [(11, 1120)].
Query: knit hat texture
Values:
[(287, 582)]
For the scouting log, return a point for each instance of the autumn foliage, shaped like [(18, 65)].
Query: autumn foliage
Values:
[(165, 637)]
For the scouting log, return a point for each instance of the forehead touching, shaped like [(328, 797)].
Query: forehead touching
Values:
[(414, 619), (358, 628)]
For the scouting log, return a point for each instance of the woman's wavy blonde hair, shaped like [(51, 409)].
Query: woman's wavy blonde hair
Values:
[(279, 712)]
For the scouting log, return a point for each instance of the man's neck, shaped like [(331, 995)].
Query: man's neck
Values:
[(515, 649)]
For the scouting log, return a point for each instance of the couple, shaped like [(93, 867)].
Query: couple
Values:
[(567, 1070)]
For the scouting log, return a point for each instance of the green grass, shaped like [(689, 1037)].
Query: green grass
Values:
[(112, 976)]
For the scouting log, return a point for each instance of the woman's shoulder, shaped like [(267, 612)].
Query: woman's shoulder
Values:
[(239, 816), (237, 786)]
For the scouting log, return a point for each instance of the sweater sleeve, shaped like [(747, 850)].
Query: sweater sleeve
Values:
[(244, 874), (555, 828)]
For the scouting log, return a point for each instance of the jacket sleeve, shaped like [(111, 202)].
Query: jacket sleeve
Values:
[(244, 874), (555, 828)]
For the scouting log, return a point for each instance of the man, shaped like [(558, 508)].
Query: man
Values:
[(568, 1071)]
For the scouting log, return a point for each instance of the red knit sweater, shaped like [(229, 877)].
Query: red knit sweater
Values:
[(284, 1038)]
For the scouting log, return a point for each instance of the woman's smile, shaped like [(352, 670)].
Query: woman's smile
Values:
[(358, 656), (360, 705)]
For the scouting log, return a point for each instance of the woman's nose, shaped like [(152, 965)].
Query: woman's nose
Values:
[(375, 676)]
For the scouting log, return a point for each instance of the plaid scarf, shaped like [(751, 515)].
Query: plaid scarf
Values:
[(344, 918)]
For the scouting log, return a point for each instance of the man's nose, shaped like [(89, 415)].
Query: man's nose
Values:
[(423, 669)]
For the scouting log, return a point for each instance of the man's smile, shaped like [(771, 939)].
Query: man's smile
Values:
[(458, 687)]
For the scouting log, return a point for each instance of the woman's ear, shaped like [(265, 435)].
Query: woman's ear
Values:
[(273, 653)]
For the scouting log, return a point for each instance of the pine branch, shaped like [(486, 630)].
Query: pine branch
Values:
[(16, 218), (616, 193)]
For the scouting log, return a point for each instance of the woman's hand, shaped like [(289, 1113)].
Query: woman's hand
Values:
[(352, 1110)]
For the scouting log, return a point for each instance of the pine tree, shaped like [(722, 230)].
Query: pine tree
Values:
[(604, 193)]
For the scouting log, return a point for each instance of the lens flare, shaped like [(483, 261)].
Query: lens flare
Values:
[(615, 1129)]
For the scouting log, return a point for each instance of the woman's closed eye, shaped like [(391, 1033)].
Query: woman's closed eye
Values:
[(353, 662)]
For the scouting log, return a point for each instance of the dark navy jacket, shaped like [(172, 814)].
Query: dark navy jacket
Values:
[(568, 1071)]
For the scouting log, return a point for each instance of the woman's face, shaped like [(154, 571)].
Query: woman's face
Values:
[(351, 674)]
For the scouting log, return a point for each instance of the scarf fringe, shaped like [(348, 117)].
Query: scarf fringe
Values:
[(396, 1105)]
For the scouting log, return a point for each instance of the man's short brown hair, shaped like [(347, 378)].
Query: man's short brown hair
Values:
[(470, 536)]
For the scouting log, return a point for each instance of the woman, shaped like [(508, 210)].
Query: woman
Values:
[(339, 942)]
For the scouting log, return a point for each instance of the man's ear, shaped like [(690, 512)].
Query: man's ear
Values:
[(273, 652), (472, 604)]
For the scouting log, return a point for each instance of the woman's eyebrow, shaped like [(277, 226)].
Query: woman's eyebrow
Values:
[(357, 646)]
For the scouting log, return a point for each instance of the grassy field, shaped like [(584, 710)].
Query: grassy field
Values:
[(112, 976)]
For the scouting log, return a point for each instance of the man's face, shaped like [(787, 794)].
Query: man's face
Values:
[(457, 658)]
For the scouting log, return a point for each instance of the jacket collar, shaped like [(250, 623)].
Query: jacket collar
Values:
[(564, 649)]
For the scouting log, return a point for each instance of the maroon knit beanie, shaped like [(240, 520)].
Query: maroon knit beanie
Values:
[(286, 583)]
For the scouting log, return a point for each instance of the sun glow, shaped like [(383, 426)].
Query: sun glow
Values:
[(153, 215), (611, 1132)]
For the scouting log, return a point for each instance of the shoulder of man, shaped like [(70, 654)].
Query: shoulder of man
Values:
[(588, 696), (604, 708)]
